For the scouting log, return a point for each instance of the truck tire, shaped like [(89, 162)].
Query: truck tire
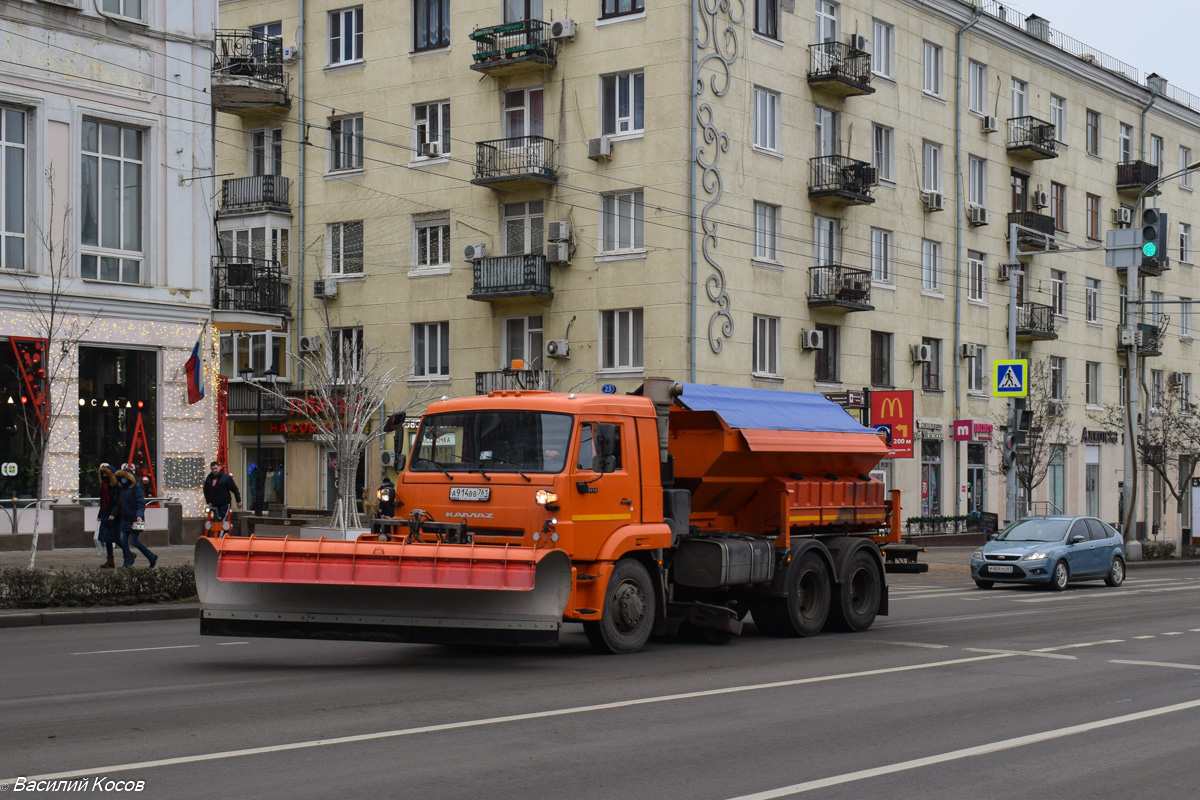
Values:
[(805, 608), (627, 618), (856, 600)]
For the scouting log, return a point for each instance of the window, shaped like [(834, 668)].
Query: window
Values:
[(1058, 291), (1155, 317), (345, 36), (621, 221), (931, 265), (977, 181), (826, 130), (1093, 133), (1185, 317), (431, 24), (826, 241), (1058, 378), (932, 166), (621, 8), (431, 122), (259, 351), (1058, 117), (346, 248), (1020, 98), (977, 87), (1185, 243), (1156, 152), (766, 345), (976, 276), (622, 103), (1091, 300), (881, 358), (932, 69), (766, 231), (766, 18), (1093, 216), (1125, 143), (827, 358), (124, 8), (1058, 205), (1185, 158), (883, 49), (110, 203), (883, 255), (521, 10), (345, 353), (827, 21), (523, 114), (346, 143), (931, 370), (766, 119), (881, 152), (977, 372), (13, 173), (523, 228), (523, 341), (431, 349), (1156, 390), (1184, 388), (1019, 183), (266, 151), (621, 339), (1122, 384), (433, 241)]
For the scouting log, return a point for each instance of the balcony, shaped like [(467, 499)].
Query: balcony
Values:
[(839, 69), (243, 402), (501, 277), (541, 380), (838, 287), (254, 194), (514, 47), (1035, 321), (1039, 231), (1134, 176), (248, 72), (1032, 138), (516, 163), (1151, 335), (842, 181), (248, 294)]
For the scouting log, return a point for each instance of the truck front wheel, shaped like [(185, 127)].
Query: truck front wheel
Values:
[(628, 614), (856, 601)]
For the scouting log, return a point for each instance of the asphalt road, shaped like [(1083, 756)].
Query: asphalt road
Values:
[(1013, 692)]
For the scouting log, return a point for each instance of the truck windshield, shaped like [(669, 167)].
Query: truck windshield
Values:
[(493, 441)]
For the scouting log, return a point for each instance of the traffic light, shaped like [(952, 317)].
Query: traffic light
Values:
[(1010, 449), (1154, 235)]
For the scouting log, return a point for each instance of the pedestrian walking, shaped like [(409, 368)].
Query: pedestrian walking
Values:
[(132, 505), (218, 486), (108, 520)]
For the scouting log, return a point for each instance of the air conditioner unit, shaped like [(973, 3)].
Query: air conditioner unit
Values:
[(431, 149), (558, 231), (599, 148), (67, 3), (1122, 216), (475, 252), (1005, 272), (558, 252), (968, 350), (977, 215), (859, 42), (558, 348), (310, 344), (932, 200), (387, 458), (922, 353), (1041, 199), (990, 124), (562, 29), (1056, 408), (325, 287), (812, 340), (290, 53), (1175, 379)]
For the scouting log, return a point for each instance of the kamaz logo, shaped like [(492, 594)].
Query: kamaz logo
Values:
[(469, 514)]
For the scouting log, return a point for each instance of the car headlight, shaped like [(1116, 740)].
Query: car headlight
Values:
[(545, 498), (978, 553), (1036, 555)]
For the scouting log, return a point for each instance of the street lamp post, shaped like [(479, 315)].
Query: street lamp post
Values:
[(269, 377)]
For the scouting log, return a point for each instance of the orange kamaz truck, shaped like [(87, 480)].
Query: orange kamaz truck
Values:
[(681, 508)]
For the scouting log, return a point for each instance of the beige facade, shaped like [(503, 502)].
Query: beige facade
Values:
[(742, 239)]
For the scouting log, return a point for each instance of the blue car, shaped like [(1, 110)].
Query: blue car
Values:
[(1051, 550)]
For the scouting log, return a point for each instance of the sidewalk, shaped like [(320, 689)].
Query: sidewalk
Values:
[(81, 558)]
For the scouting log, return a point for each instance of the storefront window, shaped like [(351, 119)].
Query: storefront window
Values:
[(118, 409), (976, 477), (931, 477), (19, 426), (270, 469)]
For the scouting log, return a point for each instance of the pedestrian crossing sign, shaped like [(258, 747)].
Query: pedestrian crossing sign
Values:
[(1009, 378)]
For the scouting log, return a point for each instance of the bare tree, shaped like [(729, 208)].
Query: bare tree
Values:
[(1048, 428)]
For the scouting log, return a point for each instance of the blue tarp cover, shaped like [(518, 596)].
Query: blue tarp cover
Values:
[(770, 409)]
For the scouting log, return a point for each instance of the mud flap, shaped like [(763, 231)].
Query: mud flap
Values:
[(442, 594)]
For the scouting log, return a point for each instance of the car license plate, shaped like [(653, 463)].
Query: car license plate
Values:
[(1000, 569), (479, 494)]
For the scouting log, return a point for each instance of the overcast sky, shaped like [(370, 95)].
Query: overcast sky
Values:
[(1152, 35)]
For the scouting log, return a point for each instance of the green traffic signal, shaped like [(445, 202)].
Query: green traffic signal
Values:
[(1150, 249)]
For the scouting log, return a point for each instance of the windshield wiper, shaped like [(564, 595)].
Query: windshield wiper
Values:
[(441, 469), (513, 463)]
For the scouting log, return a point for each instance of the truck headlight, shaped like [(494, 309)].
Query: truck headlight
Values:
[(545, 498)]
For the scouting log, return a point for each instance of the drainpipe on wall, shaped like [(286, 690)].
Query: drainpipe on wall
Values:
[(300, 250), (692, 294)]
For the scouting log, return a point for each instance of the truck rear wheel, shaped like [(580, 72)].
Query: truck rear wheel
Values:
[(805, 608), (856, 600), (628, 614)]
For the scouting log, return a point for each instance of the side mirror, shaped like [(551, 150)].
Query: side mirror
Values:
[(992, 536), (400, 459), (1077, 538), (605, 460), (394, 422)]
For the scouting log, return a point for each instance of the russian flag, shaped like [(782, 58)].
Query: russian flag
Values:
[(195, 379)]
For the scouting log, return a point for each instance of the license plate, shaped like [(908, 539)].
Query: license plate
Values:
[(997, 569), (478, 494)]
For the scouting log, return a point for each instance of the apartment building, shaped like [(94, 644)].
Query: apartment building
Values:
[(808, 196), (105, 242)]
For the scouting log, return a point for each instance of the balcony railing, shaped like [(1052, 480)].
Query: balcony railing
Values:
[(840, 68), (842, 179), (248, 285), (243, 402), (1134, 176), (1151, 335), (248, 71), (1040, 233), (525, 275), (835, 286), (514, 380), (1032, 138), (1036, 321), (256, 192), (513, 47), (515, 160)]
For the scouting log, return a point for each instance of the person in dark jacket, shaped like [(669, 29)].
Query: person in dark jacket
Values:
[(132, 506), (218, 485), (108, 521)]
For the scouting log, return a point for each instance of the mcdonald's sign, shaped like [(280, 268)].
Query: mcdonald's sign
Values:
[(892, 413)]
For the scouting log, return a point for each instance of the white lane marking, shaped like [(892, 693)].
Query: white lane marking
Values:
[(1173, 633), (1194, 630), (136, 650), (967, 752), (229, 644), (1143, 637), (918, 644), (1034, 653), (969, 593), (1050, 598), (476, 723), (1073, 646), (1156, 664)]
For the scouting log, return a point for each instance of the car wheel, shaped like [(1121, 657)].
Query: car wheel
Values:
[(1116, 573), (985, 584), (1060, 577)]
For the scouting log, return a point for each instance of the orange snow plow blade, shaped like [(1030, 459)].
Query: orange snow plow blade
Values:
[(380, 591)]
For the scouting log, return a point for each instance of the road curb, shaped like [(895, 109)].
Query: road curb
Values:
[(77, 616)]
